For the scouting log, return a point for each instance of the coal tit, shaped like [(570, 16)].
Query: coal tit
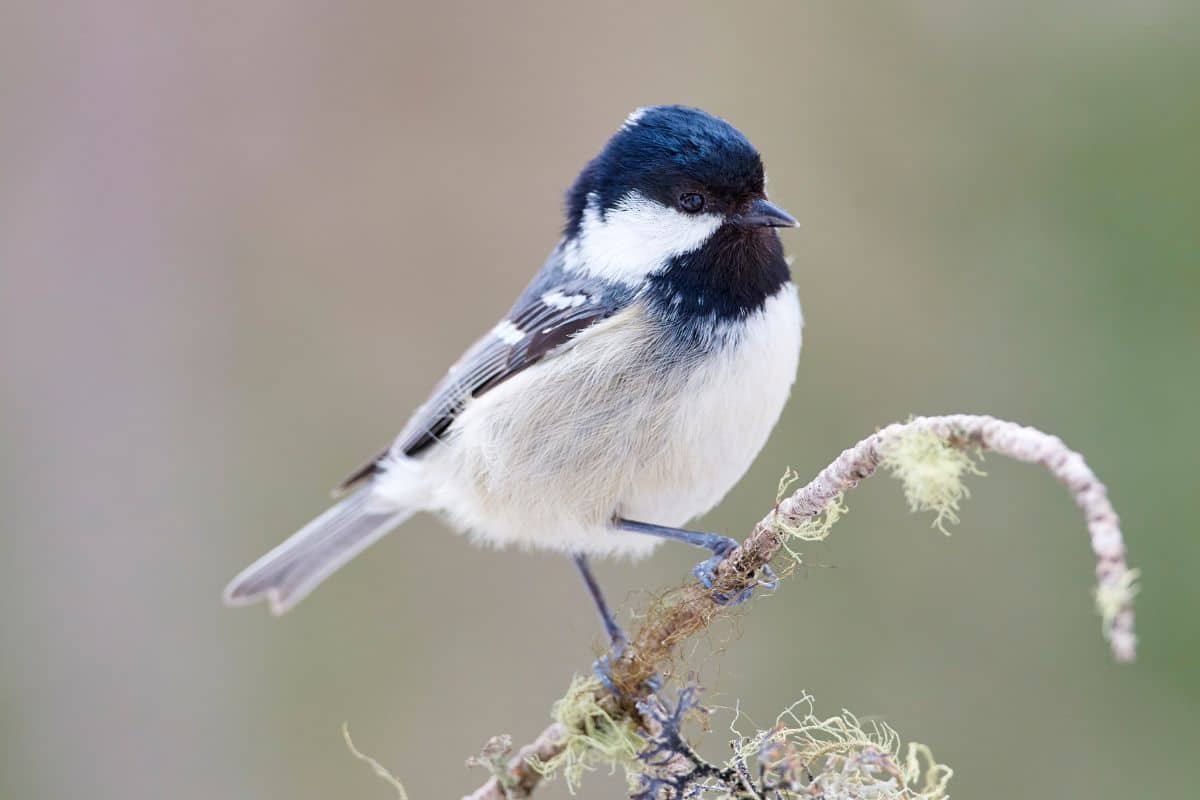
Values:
[(626, 391)]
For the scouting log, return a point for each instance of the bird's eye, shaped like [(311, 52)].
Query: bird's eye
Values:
[(691, 202)]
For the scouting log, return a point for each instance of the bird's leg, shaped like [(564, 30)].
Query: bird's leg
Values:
[(705, 571), (616, 637)]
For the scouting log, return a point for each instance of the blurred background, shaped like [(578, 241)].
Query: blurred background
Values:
[(239, 242)]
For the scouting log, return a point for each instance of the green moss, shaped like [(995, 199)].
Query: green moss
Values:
[(804, 755), (1114, 596), (815, 529), (932, 472), (594, 738)]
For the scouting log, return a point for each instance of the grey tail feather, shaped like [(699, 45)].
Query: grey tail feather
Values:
[(286, 575)]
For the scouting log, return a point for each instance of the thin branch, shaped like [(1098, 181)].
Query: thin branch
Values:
[(691, 609), (519, 777)]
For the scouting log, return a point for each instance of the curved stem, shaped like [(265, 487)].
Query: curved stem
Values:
[(692, 608)]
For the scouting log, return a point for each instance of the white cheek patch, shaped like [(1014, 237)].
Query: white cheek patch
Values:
[(635, 238)]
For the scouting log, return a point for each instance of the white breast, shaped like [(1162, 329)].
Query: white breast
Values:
[(547, 458), (723, 418)]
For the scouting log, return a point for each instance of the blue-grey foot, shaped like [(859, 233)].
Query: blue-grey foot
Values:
[(602, 667), (705, 571)]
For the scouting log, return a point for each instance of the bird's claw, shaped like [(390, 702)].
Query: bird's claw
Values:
[(603, 669), (706, 573)]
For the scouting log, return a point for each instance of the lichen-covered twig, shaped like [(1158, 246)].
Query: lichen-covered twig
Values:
[(929, 455), (518, 777)]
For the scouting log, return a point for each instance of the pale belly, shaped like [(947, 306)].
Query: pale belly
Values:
[(548, 458)]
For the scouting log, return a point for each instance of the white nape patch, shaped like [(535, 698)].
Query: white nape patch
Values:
[(508, 333), (634, 117), (635, 238), (560, 301)]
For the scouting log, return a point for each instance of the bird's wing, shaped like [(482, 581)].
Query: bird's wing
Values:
[(551, 311)]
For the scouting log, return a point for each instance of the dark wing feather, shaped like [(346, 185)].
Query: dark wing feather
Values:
[(547, 316)]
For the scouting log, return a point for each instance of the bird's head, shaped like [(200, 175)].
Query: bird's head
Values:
[(662, 187)]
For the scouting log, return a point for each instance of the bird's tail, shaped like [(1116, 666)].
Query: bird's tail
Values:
[(286, 575)]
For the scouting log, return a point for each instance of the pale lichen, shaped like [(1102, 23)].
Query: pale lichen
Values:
[(809, 529), (594, 738), (493, 757), (931, 471), (804, 755), (800, 756), (1114, 596)]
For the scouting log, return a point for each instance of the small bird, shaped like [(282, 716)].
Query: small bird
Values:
[(626, 391)]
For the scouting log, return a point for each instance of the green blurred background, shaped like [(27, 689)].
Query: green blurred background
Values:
[(236, 241)]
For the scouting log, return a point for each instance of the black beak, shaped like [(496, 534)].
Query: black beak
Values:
[(763, 214)]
